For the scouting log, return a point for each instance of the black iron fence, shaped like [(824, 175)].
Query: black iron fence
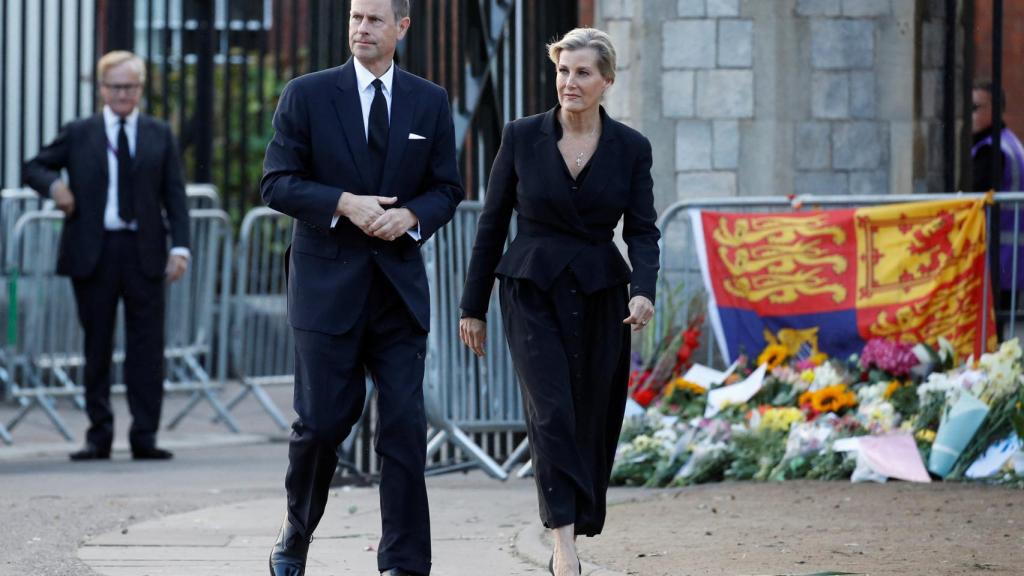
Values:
[(216, 67)]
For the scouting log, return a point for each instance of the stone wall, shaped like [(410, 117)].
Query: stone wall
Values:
[(768, 97)]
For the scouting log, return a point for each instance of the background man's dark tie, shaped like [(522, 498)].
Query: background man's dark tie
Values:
[(377, 136), (125, 206)]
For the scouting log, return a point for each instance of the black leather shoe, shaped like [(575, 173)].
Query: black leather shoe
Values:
[(397, 572), (288, 557), (153, 453), (90, 452)]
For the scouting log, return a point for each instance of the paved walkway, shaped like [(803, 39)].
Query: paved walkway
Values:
[(483, 527)]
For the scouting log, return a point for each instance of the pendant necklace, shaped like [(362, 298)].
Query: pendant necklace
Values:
[(579, 157)]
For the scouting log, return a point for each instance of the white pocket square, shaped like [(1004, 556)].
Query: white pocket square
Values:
[(414, 136)]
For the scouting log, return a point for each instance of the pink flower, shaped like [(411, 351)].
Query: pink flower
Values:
[(896, 358)]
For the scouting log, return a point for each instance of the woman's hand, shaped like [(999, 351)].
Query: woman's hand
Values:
[(473, 333), (641, 310)]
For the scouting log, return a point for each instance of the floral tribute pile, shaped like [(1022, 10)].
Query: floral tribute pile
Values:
[(892, 411)]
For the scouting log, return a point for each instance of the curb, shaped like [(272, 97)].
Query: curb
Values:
[(191, 441)]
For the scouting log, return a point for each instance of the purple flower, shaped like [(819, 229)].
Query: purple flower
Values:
[(636, 362)]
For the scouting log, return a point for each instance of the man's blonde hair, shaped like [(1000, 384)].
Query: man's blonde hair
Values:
[(587, 38), (118, 57)]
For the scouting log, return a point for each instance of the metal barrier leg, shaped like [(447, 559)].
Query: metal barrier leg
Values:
[(521, 450), (5, 435), (526, 470), (435, 442), (26, 407), (460, 439), (269, 406), (204, 393), (46, 404)]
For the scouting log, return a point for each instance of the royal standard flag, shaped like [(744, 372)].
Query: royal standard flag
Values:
[(837, 278)]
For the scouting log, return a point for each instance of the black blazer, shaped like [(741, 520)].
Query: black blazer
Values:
[(554, 230), (158, 187), (319, 150)]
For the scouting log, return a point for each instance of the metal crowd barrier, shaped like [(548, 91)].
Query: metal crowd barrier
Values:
[(681, 278), (465, 395), (14, 202), (262, 347), (43, 349), (196, 316)]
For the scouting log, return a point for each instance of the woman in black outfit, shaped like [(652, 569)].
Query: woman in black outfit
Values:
[(568, 298)]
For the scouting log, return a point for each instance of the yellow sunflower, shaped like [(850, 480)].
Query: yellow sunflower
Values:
[(833, 399), (773, 355), (684, 385)]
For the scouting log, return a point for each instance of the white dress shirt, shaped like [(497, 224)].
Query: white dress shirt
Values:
[(364, 81), (111, 218)]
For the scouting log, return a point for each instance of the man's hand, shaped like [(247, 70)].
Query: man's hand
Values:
[(473, 333), (363, 211), (393, 223), (176, 267), (63, 198)]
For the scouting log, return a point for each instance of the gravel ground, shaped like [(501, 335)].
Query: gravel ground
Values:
[(805, 527)]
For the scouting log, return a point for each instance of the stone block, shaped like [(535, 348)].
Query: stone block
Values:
[(693, 145), (932, 93), (866, 8), (616, 9), (726, 146), (864, 183), (619, 32), (688, 44), (719, 8), (813, 146), (677, 92), (691, 9), (690, 185), (862, 95), (822, 183), (830, 95), (735, 43), (618, 100), (818, 7), (841, 43), (725, 93), (857, 146)]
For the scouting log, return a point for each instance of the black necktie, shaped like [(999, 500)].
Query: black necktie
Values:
[(377, 135), (125, 206)]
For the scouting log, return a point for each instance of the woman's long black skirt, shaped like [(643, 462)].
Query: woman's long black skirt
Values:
[(571, 354)]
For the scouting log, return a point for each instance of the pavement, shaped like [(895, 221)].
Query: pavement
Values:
[(215, 509)]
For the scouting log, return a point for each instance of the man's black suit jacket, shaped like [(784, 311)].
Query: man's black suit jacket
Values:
[(157, 185), (556, 230), (318, 151)]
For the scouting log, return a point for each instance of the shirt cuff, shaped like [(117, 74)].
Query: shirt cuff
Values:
[(334, 221), (52, 184), (414, 233), (181, 251)]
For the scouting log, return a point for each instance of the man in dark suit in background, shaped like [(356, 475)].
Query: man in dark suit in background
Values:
[(124, 175), (363, 157)]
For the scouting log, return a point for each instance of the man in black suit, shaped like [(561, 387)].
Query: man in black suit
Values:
[(124, 176), (363, 157)]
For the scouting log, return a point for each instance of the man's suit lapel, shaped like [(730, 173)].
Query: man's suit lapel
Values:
[(98, 144), (143, 143), (403, 110), (350, 113)]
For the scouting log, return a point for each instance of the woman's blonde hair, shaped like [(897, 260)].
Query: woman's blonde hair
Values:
[(118, 57), (587, 38)]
